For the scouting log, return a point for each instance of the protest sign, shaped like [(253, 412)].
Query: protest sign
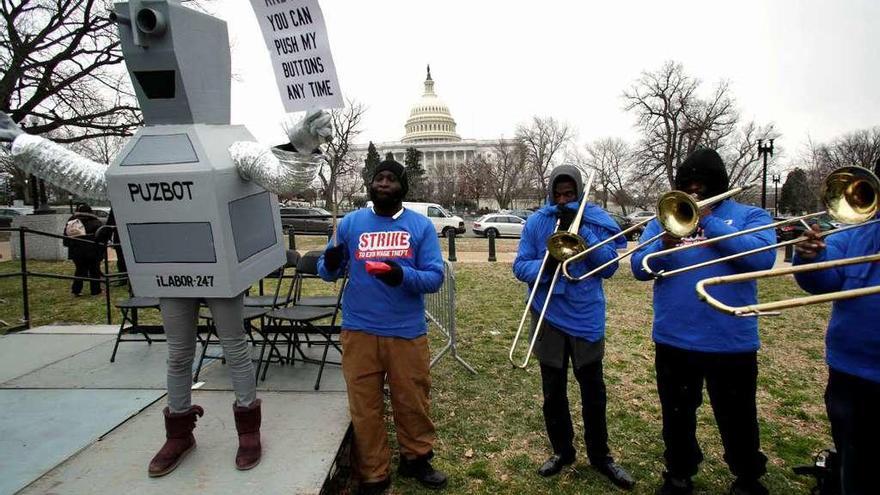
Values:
[(296, 37)]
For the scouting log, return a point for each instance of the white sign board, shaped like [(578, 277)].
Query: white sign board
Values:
[(296, 37)]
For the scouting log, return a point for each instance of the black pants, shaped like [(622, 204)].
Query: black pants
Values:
[(87, 267), (731, 380), (557, 417), (853, 406)]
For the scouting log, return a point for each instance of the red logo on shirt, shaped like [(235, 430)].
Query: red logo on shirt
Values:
[(383, 245)]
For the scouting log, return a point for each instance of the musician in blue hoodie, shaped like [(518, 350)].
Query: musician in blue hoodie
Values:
[(694, 343), (852, 397), (574, 325)]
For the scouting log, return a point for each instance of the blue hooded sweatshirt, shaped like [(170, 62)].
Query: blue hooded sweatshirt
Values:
[(853, 339), (371, 305), (576, 308), (680, 319)]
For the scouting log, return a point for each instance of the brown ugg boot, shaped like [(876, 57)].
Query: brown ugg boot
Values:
[(247, 422), (179, 440)]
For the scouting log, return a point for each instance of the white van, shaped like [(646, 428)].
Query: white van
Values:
[(444, 222)]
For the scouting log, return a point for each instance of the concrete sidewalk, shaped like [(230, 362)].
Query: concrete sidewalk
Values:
[(74, 423)]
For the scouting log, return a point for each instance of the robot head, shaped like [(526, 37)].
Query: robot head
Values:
[(178, 60)]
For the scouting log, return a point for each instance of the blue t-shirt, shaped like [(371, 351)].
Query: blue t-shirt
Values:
[(680, 318), (371, 305), (853, 339), (576, 308)]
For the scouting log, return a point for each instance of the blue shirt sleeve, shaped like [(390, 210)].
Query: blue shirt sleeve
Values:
[(715, 227), (427, 275), (829, 279), (528, 256), (323, 272), (597, 257), (650, 231)]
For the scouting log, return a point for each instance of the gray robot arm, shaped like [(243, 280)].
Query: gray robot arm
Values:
[(285, 171), (59, 166)]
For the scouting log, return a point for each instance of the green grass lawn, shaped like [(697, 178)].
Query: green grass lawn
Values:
[(490, 428)]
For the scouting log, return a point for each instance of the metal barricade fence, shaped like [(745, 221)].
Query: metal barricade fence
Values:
[(440, 310)]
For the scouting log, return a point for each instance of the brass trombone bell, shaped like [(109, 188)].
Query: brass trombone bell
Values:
[(678, 213), (563, 245), (850, 195)]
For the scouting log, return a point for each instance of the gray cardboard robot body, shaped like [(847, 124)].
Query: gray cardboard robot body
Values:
[(189, 225)]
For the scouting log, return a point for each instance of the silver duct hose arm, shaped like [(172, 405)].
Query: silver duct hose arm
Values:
[(59, 166), (279, 171)]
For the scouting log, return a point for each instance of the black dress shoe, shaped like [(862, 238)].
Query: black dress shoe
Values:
[(423, 472), (374, 487), (675, 486), (617, 475), (554, 464)]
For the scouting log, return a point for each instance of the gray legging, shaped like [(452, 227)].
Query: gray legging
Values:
[(180, 317)]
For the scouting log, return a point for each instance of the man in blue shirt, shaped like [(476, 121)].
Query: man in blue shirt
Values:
[(695, 343), (852, 397), (393, 258), (574, 325)]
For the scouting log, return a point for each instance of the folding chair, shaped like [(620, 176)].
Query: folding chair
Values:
[(307, 269), (129, 309), (277, 300), (295, 321)]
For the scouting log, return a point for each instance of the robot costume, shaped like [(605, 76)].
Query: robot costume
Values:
[(194, 197)]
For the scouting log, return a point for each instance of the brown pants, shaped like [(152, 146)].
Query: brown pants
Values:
[(366, 360)]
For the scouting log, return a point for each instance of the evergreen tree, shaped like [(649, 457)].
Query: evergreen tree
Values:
[(370, 164), (796, 196), (415, 174), (389, 156)]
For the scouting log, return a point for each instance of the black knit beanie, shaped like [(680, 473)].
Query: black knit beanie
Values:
[(706, 167), (395, 168)]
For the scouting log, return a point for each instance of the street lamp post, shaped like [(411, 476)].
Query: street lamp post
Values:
[(776, 178), (764, 150)]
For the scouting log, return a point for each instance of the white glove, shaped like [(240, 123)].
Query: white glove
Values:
[(312, 131)]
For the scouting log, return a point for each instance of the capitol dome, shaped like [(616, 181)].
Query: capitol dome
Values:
[(429, 119)]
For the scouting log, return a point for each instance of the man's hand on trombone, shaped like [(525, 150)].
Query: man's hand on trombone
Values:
[(811, 247)]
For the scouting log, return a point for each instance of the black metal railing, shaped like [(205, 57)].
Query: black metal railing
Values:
[(24, 273)]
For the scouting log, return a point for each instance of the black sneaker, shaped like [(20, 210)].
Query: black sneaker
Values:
[(617, 475), (675, 486), (748, 487), (374, 487), (421, 470)]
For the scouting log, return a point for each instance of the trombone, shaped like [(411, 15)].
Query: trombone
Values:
[(560, 245), (678, 214), (850, 196)]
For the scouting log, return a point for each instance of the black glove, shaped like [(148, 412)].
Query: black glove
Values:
[(333, 257), (565, 216), (394, 277), (550, 266)]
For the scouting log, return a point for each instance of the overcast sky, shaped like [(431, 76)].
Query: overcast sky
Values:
[(809, 66)]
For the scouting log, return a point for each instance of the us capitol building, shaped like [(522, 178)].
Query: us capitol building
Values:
[(431, 130)]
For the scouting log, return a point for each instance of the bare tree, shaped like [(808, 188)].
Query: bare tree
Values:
[(615, 167), (349, 186), (543, 140), (339, 160), (506, 169), (674, 120), (442, 182), (60, 62), (473, 180)]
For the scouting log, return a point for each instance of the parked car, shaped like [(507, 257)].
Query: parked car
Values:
[(6, 216), (524, 214), (500, 223), (640, 215), (444, 222), (306, 220), (796, 229), (625, 223)]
